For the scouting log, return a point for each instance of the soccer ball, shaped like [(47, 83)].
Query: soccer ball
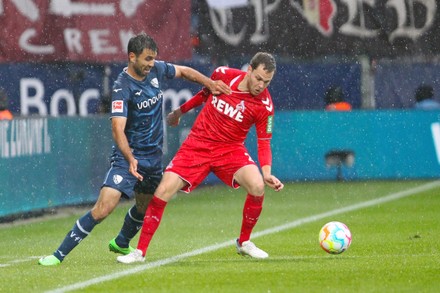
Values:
[(334, 237)]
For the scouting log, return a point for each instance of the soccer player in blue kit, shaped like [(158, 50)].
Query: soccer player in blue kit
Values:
[(137, 127)]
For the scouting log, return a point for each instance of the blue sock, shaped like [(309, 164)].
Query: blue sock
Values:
[(132, 224), (80, 230)]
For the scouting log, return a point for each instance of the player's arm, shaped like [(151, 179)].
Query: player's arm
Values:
[(265, 158), (214, 86), (118, 127), (173, 117), (264, 136)]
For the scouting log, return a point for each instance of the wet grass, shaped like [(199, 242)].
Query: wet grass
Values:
[(395, 245)]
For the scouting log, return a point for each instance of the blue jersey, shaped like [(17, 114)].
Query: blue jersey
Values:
[(141, 103)]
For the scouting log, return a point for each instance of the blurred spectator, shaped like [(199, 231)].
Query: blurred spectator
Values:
[(425, 98), (334, 100), (5, 114)]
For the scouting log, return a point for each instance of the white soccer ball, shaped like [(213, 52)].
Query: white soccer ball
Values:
[(335, 237)]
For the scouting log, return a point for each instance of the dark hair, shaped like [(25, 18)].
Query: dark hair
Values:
[(138, 43), (266, 59), (334, 94), (424, 92)]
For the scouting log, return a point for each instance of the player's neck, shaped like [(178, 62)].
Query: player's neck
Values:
[(243, 85)]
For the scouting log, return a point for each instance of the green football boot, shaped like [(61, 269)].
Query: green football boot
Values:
[(49, 260), (116, 249)]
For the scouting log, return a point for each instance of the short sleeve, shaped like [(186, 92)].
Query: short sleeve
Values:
[(120, 94), (165, 69)]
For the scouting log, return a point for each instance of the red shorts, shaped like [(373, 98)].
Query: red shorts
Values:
[(195, 159)]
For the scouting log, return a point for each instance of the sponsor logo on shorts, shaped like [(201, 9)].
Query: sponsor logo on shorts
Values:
[(117, 179)]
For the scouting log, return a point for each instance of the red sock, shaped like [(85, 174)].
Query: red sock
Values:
[(152, 219), (251, 211)]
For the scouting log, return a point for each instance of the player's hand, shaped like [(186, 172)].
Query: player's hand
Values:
[(133, 169), (218, 87), (273, 182), (173, 118)]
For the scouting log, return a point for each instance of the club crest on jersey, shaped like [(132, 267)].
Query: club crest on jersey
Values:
[(118, 106), (228, 110), (241, 107), (154, 82)]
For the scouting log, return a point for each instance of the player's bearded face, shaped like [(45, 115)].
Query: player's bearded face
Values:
[(144, 62), (140, 70), (259, 79)]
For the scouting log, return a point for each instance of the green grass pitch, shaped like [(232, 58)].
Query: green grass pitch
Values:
[(395, 248)]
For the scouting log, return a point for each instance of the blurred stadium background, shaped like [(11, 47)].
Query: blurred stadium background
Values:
[(58, 60)]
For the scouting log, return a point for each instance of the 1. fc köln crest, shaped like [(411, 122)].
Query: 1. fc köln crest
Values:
[(318, 13)]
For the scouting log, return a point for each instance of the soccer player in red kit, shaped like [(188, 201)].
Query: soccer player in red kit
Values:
[(216, 144)]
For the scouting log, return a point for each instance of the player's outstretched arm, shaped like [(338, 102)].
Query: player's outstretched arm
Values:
[(173, 118), (270, 180), (214, 86), (265, 158)]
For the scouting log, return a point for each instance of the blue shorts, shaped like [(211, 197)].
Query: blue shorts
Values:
[(119, 178)]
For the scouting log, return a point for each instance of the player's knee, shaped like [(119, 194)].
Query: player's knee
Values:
[(256, 188), (160, 190), (163, 192), (99, 214), (168, 187)]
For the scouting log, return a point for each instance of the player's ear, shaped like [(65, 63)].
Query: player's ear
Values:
[(249, 70), (132, 57)]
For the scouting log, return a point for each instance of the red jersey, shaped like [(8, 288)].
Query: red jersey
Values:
[(228, 118)]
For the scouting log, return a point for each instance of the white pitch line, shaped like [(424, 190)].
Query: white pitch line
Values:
[(31, 258), (299, 222)]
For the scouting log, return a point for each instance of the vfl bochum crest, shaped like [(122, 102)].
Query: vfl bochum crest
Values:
[(117, 179)]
